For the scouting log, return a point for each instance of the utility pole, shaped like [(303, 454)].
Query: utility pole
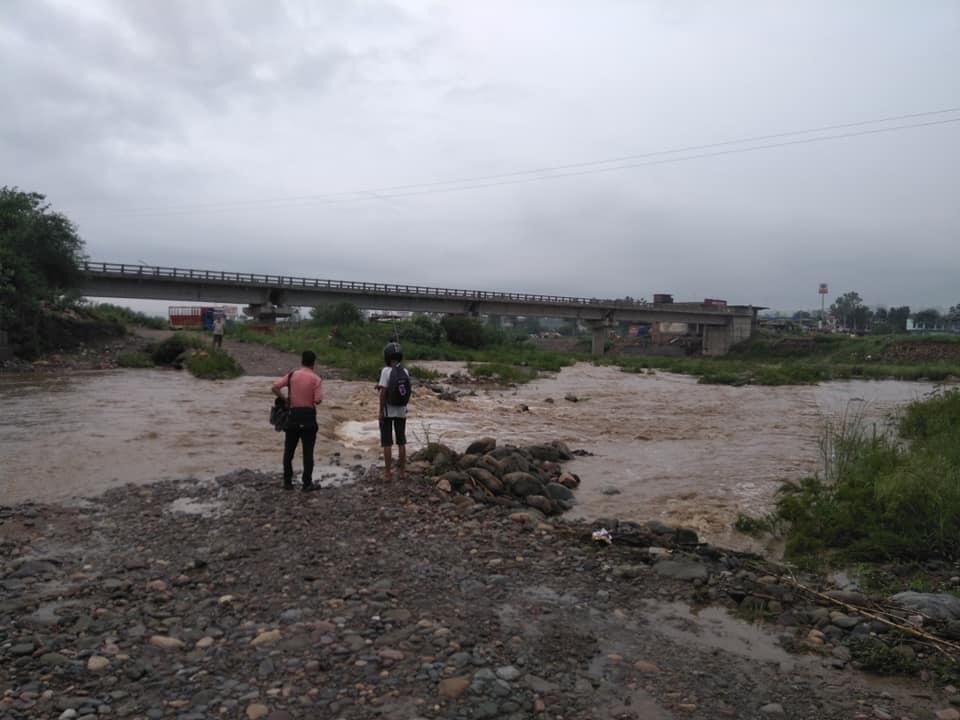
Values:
[(823, 290)]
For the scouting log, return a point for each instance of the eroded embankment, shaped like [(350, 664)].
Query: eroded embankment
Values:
[(235, 598)]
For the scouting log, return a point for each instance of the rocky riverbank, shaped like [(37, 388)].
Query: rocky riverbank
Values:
[(235, 599)]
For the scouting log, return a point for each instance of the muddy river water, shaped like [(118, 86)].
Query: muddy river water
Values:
[(664, 447)]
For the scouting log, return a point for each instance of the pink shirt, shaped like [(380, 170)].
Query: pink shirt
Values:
[(306, 387)]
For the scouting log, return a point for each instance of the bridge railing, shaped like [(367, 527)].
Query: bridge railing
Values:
[(284, 281)]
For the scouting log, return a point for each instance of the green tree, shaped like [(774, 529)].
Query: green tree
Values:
[(341, 313), (897, 318), (930, 318), (464, 331), (40, 256), (844, 308)]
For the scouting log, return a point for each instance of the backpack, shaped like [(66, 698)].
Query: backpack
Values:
[(398, 387)]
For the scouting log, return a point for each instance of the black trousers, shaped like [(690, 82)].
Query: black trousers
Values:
[(301, 428)]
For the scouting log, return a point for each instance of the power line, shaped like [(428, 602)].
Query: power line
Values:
[(561, 171)]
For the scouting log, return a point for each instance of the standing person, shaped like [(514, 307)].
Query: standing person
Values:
[(394, 388), (218, 325), (305, 393)]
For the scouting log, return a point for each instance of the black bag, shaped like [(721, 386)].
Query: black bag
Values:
[(280, 412), (398, 387)]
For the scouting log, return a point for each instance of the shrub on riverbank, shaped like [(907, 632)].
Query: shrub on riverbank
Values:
[(213, 365), (167, 351), (125, 316), (883, 497), (358, 349), (134, 359)]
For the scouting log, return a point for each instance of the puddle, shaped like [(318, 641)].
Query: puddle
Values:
[(192, 506), (714, 628)]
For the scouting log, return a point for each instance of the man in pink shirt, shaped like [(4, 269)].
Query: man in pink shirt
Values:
[(305, 389)]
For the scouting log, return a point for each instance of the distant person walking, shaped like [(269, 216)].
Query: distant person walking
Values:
[(218, 324), (305, 390), (394, 388)]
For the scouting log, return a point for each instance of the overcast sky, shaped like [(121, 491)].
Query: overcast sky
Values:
[(235, 135)]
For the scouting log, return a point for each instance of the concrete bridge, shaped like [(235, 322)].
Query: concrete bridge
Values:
[(720, 327)]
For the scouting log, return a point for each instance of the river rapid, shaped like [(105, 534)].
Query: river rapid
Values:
[(663, 447)]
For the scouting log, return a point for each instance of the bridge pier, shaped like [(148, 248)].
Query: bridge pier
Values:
[(598, 332)]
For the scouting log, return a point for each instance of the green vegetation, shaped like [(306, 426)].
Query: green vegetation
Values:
[(40, 253), (135, 360), (213, 364), (791, 360), (126, 316), (358, 347), (753, 526), (882, 497), (167, 351), (876, 656)]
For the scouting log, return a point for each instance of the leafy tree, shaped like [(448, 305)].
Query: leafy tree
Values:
[(342, 313), (929, 318), (464, 331), (40, 256), (897, 318), (802, 315), (845, 306), (422, 331), (954, 312)]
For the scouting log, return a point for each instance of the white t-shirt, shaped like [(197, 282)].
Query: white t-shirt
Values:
[(218, 326), (392, 411)]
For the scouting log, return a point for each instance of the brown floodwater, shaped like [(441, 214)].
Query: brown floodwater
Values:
[(664, 447)]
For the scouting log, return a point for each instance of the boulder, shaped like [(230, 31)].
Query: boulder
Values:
[(506, 450), (487, 479), (431, 451), (455, 478), (545, 452), (681, 569), (490, 464), (523, 484), (467, 461), (515, 462), (563, 449), (556, 491), (937, 606), (482, 446), (541, 503), (569, 479)]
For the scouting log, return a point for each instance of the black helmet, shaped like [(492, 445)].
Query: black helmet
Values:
[(391, 352)]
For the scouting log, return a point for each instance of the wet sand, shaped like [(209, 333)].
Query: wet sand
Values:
[(663, 446)]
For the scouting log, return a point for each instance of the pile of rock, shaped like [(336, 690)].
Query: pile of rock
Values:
[(506, 475)]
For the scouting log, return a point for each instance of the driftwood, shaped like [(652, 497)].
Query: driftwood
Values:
[(944, 646)]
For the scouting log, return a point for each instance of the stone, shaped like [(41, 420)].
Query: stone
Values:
[(541, 503), (487, 479), (453, 687), (455, 478), (845, 622), (68, 714), (481, 446), (546, 452), (255, 711), (54, 659), (508, 673), (391, 654), (948, 714), (646, 668), (524, 518), (157, 586), (522, 484), (570, 397), (681, 569), (267, 637), (556, 491), (204, 642), (166, 643), (772, 709), (21, 649), (397, 615), (937, 606), (97, 664)]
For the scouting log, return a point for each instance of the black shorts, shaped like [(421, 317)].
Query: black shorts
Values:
[(387, 427)]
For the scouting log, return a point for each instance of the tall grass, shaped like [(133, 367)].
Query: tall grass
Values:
[(882, 495), (358, 349)]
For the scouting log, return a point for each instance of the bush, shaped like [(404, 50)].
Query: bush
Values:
[(170, 349), (134, 360), (342, 313), (126, 316), (464, 331), (213, 365), (883, 497), (423, 331)]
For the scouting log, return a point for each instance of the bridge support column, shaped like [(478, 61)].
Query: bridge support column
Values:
[(598, 331), (716, 339)]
